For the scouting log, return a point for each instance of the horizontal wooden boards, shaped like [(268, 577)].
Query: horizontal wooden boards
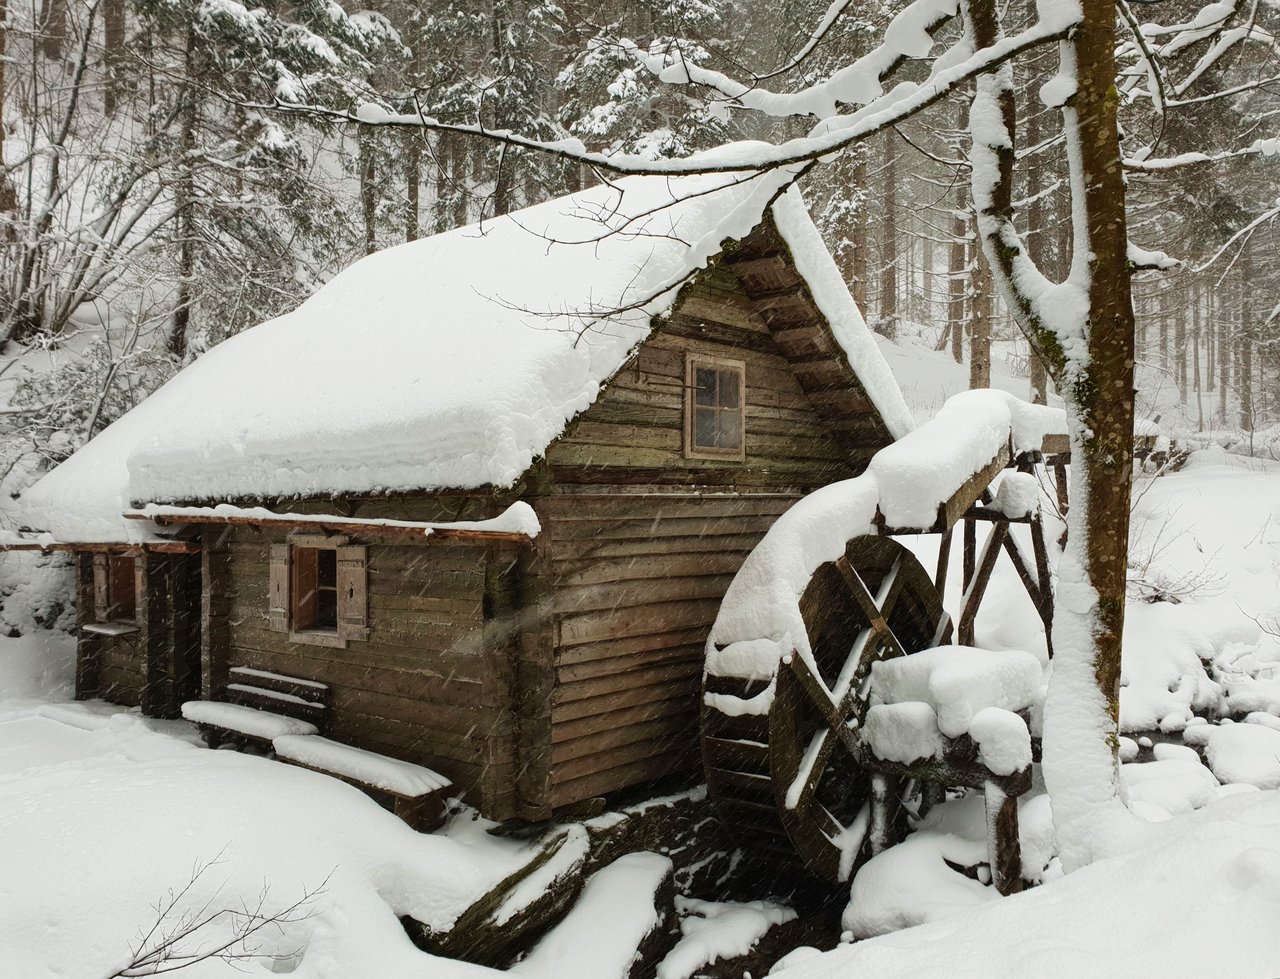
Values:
[(425, 686), (637, 423), (637, 580)]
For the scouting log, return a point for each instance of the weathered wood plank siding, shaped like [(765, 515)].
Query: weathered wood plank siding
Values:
[(642, 542), (425, 686), (638, 579)]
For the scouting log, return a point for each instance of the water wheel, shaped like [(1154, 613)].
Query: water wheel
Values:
[(789, 779)]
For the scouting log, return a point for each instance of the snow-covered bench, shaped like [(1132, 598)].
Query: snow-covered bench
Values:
[(417, 793), (257, 706), (958, 715)]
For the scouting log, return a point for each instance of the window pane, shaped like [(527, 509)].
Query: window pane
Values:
[(704, 428), (326, 589), (730, 430), (728, 389), (704, 386), (326, 568)]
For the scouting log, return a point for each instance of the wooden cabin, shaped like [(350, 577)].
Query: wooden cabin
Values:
[(658, 369)]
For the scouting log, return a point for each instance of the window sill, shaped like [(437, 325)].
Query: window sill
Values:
[(110, 628), (711, 455), (318, 637)]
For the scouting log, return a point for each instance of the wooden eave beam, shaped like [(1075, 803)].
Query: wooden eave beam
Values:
[(128, 550), (336, 526)]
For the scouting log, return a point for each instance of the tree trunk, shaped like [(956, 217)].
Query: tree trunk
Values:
[(412, 182), (889, 238), (1081, 718), (980, 324), (53, 28), (1197, 382), (1180, 343), (959, 261), (1244, 369), (859, 260), (114, 53), (368, 193), (1036, 245), (8, 196), (185, 192)]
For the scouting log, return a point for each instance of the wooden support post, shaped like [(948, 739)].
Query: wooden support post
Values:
[(88, 645), (884, 813), (1060, 484), (155, 647), (1045, 605), (215, 608), (982, 577), (502, 590), (1003, 846), (944, 559), (970, 548)]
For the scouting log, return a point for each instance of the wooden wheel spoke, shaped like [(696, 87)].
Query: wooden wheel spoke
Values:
[(817, 695), (812, 767), (876, 611)]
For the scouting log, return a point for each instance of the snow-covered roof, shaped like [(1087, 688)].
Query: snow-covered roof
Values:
[(448, 362)]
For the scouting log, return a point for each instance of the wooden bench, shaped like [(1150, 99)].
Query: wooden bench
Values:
[(257, 706), (417, 794)]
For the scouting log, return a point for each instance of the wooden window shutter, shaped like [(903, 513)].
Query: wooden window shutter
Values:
[(278, 589), (101, 595), (353, 592)]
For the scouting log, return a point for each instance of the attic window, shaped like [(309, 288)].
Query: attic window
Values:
[(714, 408), (318, 591)]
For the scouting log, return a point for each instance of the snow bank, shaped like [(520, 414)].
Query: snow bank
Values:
[(911, 883), (713, 930), (166, 806), (610, 919), (1201, 898), (1248, 753), (1203, 649), (40, 665)]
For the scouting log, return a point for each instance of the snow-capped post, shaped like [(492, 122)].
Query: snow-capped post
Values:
[(1083, 330)]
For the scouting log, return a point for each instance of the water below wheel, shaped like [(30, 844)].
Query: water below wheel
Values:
[(789, 780)]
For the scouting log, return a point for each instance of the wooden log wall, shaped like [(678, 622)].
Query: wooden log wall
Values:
[(431, 685)]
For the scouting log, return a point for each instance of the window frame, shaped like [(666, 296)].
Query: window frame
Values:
[(343, 632), (298, 602), (694, 361)]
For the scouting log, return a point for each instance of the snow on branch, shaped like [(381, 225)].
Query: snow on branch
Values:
[(830, 136), (1259, 147), (909, 35)]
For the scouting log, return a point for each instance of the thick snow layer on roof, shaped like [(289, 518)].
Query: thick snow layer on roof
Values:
[(449, 362)]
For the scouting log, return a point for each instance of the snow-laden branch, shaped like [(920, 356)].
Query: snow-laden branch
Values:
[(1050, 315), (828, 137), (909, 35), (1259, 147)]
